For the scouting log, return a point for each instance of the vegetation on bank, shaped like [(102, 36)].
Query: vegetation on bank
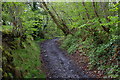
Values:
[(27, 60), (91, 27), (101, 46), (22, 61), (21, 37)]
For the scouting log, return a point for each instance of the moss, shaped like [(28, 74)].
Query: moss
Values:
[(28, 60)]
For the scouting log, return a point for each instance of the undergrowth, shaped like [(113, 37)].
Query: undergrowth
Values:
[(102, 57), (102, 48), (70, 43), (27, 60)]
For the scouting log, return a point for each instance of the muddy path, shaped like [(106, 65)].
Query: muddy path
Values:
[(56, 62)]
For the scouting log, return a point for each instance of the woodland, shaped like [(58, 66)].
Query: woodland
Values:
[(88, 30)]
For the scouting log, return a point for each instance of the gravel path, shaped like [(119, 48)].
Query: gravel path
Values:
[(57, 64)]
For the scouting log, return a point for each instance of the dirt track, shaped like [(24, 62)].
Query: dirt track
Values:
[(57, 64)]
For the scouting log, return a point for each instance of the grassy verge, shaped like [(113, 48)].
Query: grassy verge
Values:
[(27, 60)]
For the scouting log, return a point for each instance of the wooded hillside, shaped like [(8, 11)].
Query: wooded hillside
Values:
[(91, 29)]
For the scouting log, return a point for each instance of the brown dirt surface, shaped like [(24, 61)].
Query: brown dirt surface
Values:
[(83, 62), (56, 62)]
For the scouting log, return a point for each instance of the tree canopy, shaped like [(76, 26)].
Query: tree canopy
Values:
[(94, 25)]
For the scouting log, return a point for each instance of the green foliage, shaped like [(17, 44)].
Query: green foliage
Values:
[(70, 43), (19, 24), (52, 31), (94, 26), (27, 60), (7, 27), (101, 47)]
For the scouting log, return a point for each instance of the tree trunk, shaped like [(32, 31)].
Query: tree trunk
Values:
[(60, 25), (95, 11), (86, 10)]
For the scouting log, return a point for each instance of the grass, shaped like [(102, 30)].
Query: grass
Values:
[(0, 28), (28, 60)]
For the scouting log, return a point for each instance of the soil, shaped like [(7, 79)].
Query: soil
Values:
[(83, 62), (57, 64)]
